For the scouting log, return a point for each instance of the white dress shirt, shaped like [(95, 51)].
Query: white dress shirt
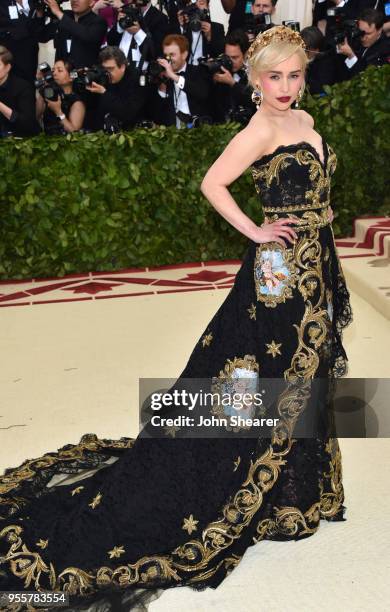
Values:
[(125, 43), (180, 100)]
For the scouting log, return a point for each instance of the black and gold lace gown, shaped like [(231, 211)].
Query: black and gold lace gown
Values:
[(142, 515)]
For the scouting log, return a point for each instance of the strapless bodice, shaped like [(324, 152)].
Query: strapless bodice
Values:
[(294, 179)]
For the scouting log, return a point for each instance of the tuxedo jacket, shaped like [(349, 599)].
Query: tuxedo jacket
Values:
[(86, 34), (212, 48), (157, 24), (20, 36), (225, 97), (197, 88)]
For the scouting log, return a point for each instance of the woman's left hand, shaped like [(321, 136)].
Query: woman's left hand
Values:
[(330, 214), (55, 106)]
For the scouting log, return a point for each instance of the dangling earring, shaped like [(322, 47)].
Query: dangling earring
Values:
[(299, 98), (257, 98)]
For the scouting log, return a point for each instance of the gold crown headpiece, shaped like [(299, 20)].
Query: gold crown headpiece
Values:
[(278, 33)]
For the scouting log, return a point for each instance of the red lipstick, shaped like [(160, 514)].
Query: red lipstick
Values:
[(284, 99)]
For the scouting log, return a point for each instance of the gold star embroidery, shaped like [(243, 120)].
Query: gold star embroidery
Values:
[(76, 490), (190, 524), (207, 339), (117, 551), (273, 348), (171, 430), (237, 463), (42, 543), (252, 311), (96, 500)]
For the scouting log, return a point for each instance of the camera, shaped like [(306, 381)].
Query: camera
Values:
[(340, 28), (111, 124), (46, 86), (241, 115), (82, 77), (294, 25), (131, 15), (195, 17), (39, 5), (214, 65), (153, 75), (191, 121), (254, 24)]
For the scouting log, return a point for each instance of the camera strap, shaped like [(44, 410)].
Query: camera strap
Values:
[(192, 54)]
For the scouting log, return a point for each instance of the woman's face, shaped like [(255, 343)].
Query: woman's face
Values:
[(283, 81), (61, 75)]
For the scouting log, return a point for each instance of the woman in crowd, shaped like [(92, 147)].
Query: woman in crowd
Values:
[(66, 113)]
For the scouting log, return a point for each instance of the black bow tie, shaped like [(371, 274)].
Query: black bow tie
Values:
[(181, 72)]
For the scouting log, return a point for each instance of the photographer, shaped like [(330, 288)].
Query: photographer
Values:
[(155, 22), (59, 108), (20, 25), (17, 101), (184, 90), (119, 103), (372, 47), (259, 19), (130, 35), (237, 12), (349, 8), (231, 91), (321, 69), (77, 34), (205, 37)]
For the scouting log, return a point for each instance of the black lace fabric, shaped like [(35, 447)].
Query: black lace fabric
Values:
[(114, 523)]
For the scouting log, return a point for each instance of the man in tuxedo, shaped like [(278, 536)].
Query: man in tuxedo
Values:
[(17, 101), (231, 91), (20, 24), (135, 41), (237, 10), (186, 93), (373, 47), (77, 34), (120, 104), (154, 21), (208, 41), (350, 8)]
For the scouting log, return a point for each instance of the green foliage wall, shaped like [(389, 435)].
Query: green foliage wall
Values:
[(99, 202)]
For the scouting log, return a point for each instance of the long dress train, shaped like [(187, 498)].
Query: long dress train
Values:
[(115, 522)]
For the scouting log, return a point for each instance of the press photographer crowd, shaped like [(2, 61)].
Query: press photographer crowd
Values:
[(124, 65)]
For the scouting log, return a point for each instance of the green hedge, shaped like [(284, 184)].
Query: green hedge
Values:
[(99, 202)]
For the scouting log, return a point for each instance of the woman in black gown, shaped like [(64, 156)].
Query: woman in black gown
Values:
[(132, 517)]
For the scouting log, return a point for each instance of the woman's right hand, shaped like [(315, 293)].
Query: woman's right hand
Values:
[(275, 231)]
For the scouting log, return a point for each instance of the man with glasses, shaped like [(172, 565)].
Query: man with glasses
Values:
[(372, 48)]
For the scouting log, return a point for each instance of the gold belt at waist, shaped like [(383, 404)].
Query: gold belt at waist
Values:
[(309, 220), (296, 207)]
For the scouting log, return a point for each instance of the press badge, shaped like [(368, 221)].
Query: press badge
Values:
[(13, 12)]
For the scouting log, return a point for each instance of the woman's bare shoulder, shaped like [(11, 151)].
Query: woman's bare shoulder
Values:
[(245, 148), (259, 133), (305, 116)]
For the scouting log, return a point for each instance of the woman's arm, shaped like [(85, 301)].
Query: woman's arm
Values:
[(76, 117), (239, 154), (241, 151), (39, 107)]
